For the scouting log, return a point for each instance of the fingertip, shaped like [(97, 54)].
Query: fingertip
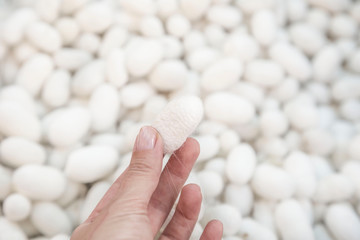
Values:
[(191, 146), (213, 230), (190, 201), (217, 224), (193, 190), (194, 143)]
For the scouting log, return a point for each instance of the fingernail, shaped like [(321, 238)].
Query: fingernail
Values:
[(146, 139)]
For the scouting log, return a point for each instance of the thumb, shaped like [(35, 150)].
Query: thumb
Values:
[(142, 176)]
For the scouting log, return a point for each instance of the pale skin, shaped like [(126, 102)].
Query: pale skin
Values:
[(139, 201)]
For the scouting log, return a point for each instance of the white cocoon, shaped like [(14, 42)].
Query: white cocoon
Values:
[(342, 222), (39, 182), (178, 120), (292, 222)]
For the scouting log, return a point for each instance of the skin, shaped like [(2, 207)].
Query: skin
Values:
[(140, 200)]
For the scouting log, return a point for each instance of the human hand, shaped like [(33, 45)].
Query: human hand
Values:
[(139, 201)]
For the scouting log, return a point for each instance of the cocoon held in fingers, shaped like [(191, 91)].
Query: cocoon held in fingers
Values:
[(178, 120)]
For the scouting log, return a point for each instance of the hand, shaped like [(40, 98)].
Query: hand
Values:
[(139, 201)]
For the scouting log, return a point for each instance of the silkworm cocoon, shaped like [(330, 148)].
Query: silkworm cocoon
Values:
[(349, 109), (50, 219), (209, 145), (56, 90), (95, 17), (113, 39), (142, 56), (34, 72), (299, 166), (178, 120), (228, 140), (216, 165), (211, 183), (177, 25), (16, 207), (18, 95), (292, 60), (172, 47), (229, 70), (151, 27), (14, 26), (229, 108), (134, 95), (47, 10), (303, 33), (264, 26), (39, 182), (335, 187), (343, 26), (88, 41), (318, 18), (72, 191), (115, 68), (250, 91), (285, 90), (17, 121), (71, 59), (169, 75), (104, 106), (343, 222), (273, 183), (88, 157), (10, 230), (66, 126), (273, 123), (270, 75), (226, 16), (240, 197), (68, 29), (254, 230), (44, 36), (326, 64), (201, 57), (242, 46), (292, 221), (32, 152), (240, 164), (194, 9), (318, 142), (88, 77), (263, 212)]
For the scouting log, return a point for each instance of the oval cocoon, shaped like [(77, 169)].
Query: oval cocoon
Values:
[(17, 121), (272, 183), (97, 160), (31, 152), (342, 221), (240, 164), (39, 182), (50, 219), (67, 126), (228, 108), (178, 120), (292, 222)]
